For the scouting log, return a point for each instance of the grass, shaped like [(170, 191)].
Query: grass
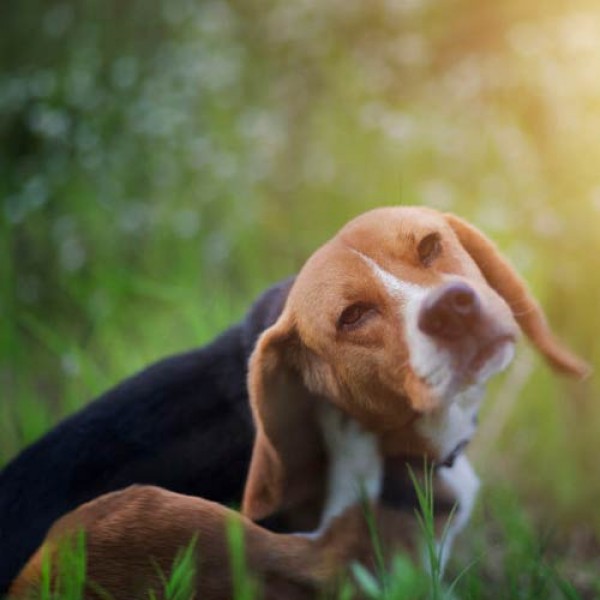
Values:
[(514, 559), (245, 585), (180, 582), (68, 581)]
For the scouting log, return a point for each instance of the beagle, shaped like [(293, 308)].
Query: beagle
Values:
[(398, 322)]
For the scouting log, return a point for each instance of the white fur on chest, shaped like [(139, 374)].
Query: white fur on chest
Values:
[(355, 469)]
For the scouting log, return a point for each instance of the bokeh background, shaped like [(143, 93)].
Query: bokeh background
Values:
[(163, 161)]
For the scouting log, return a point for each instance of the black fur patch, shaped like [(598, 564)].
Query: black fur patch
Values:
[(183, 423)]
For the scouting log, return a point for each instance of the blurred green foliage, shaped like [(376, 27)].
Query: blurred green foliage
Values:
[(161, 162)]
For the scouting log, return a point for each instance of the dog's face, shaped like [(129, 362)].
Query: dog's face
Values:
[(398, 320), (394, 317)]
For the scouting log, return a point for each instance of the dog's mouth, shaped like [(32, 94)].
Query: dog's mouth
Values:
[(472, 361), (492, 357)]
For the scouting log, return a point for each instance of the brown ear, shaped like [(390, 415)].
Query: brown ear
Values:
[(504, 279), (288, 452)]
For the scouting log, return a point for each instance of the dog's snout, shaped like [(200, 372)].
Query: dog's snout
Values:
[(450, 312)]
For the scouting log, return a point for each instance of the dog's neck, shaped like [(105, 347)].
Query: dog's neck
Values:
[(356, 470)]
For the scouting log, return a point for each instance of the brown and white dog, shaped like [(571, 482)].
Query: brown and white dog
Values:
[(380, 357), (398, 321)]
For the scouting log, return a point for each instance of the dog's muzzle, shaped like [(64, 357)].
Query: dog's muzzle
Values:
[(477, 343)]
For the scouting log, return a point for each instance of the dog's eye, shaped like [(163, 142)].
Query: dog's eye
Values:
[(354, 315), (429, 248)]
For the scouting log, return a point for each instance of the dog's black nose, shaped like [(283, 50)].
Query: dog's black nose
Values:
[(449, 312)]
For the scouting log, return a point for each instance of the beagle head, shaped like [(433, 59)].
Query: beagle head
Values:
[(398, 320)]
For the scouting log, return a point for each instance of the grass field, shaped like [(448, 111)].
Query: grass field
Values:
[(161, 163)]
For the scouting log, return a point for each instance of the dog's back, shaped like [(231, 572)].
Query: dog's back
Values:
[(175, 424)]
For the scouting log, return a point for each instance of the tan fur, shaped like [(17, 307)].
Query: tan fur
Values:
[(302, 359), (133, 535)]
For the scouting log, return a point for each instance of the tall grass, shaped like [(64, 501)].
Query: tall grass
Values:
[(63, 570), (180, 583), (501, 557), (245, 585)]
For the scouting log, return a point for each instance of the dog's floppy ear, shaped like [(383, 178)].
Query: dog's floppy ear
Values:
[(288, 451), (503, 278)]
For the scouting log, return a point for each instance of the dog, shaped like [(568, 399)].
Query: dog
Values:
[(398, 321)]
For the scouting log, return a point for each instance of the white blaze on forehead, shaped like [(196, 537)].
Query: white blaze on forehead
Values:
[(425, 357), (396, 287)]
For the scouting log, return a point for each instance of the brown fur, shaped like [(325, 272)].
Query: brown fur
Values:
[(133, 535)]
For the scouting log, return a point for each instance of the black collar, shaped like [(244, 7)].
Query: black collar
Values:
[(451, 458)]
